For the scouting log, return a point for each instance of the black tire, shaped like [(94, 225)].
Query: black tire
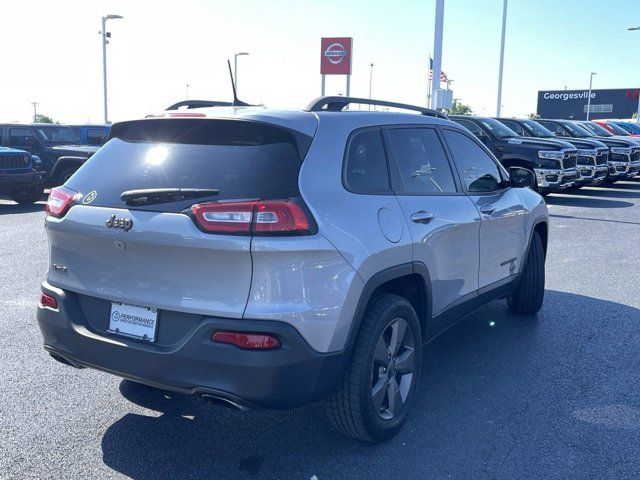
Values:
[(65, 174), (351, 408), (528, 297), (27, 196)]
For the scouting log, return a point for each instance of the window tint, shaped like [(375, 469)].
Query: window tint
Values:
[(96, 136), (478, 170), (421, 161), (472, 127), (515, 127), (243, 159), (366, 166), (20, 137), (554, 127)]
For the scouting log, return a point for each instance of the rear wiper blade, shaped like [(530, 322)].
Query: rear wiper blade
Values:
[(151, 196)]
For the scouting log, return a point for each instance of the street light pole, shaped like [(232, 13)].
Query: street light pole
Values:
[(589, 97), (371, 65), (637, 27), (105, 40), (35, 112), (235, 68), (504, 29)]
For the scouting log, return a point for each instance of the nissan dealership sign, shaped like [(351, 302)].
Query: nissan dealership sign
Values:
[(335, 55), (572, 104)]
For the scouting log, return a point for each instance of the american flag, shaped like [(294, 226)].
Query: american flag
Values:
[(443, 76)]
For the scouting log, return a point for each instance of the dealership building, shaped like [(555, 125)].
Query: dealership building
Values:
[(572, 104)]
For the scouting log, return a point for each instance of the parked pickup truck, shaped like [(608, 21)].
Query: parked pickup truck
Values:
[(623, 154), (19, 179), (56, 146), (552, 161), (593, 155)]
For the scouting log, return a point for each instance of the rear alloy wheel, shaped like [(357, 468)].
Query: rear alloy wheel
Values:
[(27, 196), (392, 370), (378, 386)]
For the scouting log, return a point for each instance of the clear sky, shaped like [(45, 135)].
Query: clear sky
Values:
[(52, 51)]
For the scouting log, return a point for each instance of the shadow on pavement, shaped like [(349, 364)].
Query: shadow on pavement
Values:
[(613, 192), (498, 398), (588, 202), (14, 208)]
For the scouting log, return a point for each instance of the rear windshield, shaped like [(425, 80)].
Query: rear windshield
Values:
[(241, 159)]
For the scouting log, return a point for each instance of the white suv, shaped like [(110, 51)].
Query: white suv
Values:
[(267, 259)]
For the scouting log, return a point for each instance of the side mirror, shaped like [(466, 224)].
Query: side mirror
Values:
[(521, 178)]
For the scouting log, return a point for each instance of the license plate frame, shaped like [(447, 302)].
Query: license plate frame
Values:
[(133, 321)]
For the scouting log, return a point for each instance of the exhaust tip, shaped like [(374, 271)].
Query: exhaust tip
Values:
[(59, 358), (223, 402)]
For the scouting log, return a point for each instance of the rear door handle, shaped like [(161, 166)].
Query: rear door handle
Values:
[(422, 217), (487, 209)]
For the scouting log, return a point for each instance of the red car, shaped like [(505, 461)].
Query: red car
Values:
[(615, 129)]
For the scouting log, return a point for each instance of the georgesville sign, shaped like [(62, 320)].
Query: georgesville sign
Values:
[(572, 104), (335, 55)]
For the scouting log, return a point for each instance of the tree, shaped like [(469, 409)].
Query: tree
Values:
[(40, 118), (460, 109), (533, 115)]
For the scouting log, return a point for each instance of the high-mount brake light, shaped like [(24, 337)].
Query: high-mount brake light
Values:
[(60, 201), (268, 216)]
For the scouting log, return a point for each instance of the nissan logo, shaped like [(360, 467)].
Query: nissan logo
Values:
[(335, 53)]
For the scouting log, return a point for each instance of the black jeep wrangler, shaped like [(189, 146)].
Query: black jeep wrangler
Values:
[(56, 146), (19, 179), (552, 161)]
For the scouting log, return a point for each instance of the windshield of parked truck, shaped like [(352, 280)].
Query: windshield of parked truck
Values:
[(497, 129), (633, 128), (577, 131), (57, 135), (537, 130), (596, 129)]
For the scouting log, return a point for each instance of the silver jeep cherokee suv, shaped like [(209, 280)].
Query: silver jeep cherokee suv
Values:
[(268, 259)]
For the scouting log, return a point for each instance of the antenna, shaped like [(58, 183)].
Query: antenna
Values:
[(236, 102)]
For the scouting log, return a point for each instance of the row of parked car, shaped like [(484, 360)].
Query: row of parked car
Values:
[(38, 155), (561, 153)]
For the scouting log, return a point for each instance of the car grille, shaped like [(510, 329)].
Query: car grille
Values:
[(570, 159), (13, 161), (602, 157)]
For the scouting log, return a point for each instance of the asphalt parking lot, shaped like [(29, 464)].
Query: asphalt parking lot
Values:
[(551, 396)]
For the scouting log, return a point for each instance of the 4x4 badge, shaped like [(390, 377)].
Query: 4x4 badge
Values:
[(123, 223)]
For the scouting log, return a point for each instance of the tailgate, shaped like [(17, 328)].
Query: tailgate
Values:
[(162, 261)]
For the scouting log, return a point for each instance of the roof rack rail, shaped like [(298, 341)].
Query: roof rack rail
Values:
[(337, 104), (199, 104)]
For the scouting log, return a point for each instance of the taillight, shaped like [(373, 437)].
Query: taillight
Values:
[(48, 301), (59, 201), (267, 216), (247, 341)]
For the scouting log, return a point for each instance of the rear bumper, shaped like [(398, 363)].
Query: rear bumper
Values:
[(11, 182), (287, 377)]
